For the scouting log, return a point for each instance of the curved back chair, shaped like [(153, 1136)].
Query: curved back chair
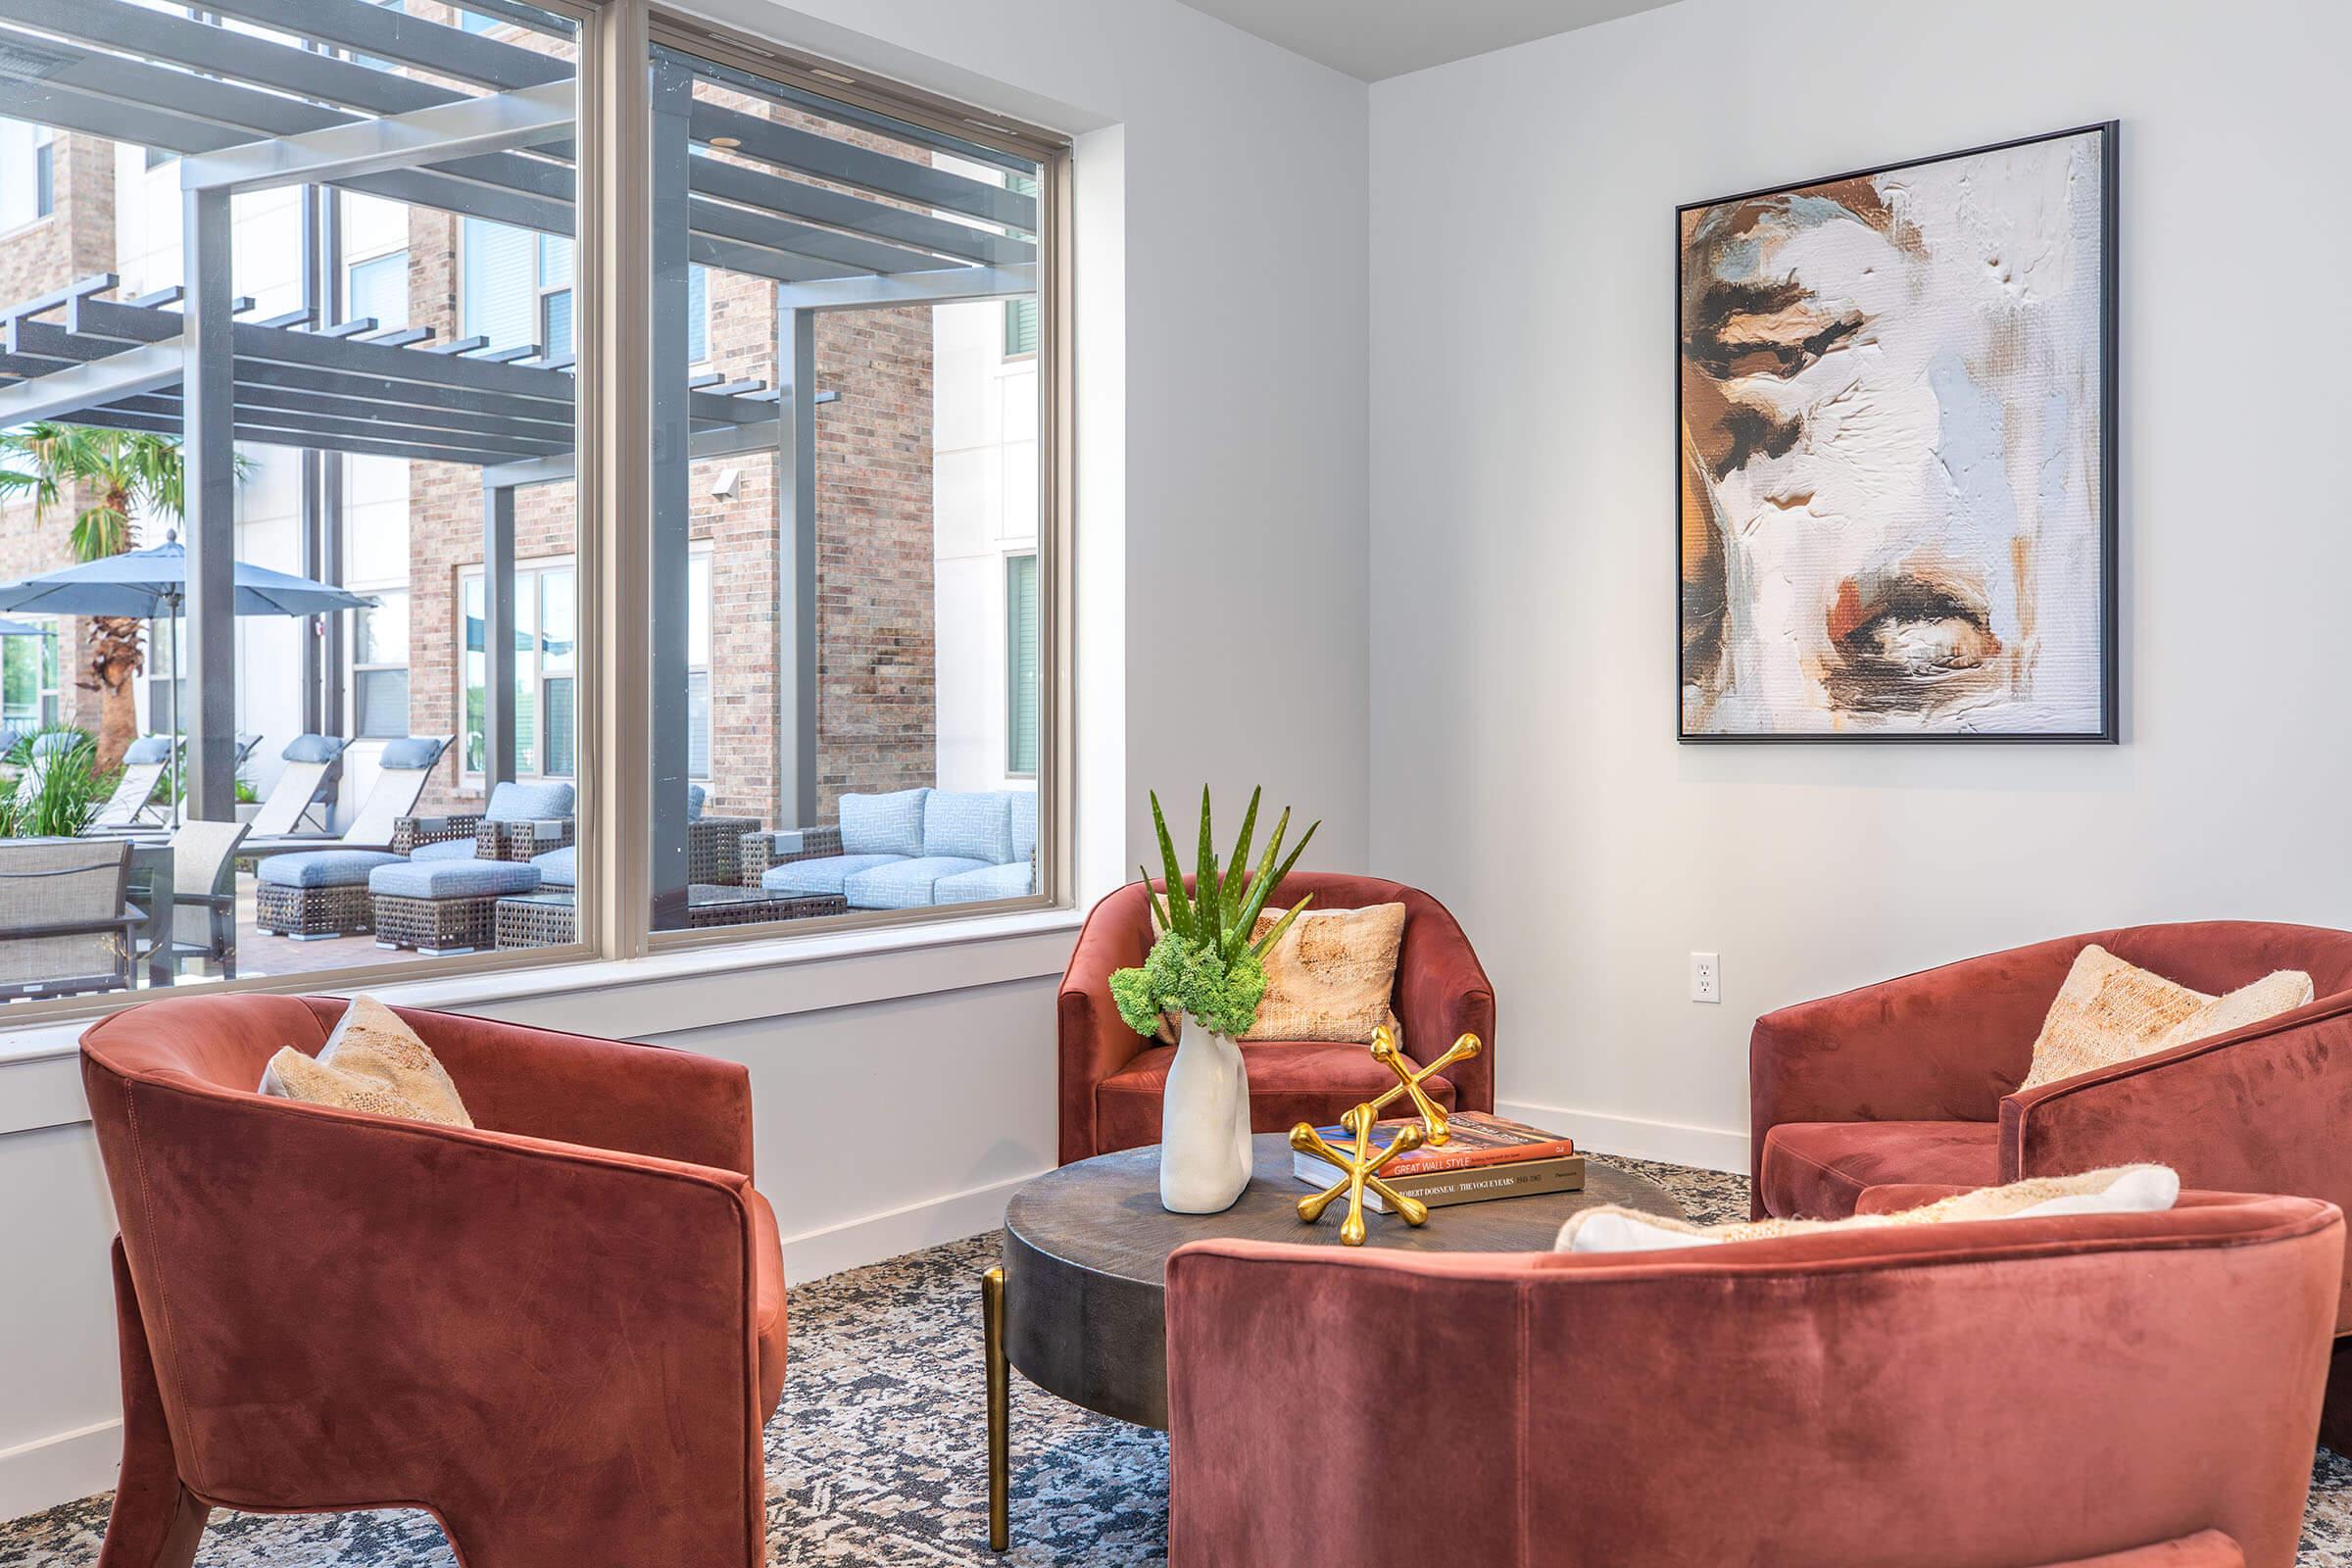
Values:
[(1916, 1080), (1111, 1077), (2000, 1395), (559, 1331)]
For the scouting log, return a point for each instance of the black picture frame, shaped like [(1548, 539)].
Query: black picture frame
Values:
[(2110, 642)]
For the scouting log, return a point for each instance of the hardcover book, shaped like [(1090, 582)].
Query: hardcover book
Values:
[(1477, 1183), (1478, 1141)]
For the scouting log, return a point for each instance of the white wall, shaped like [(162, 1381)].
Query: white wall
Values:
[(1220, 324), (1523, 506)]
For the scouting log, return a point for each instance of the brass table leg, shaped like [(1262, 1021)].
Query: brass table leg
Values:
[(991, 1319)]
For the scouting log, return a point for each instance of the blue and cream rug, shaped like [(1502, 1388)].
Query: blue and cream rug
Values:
[(877, 1456)]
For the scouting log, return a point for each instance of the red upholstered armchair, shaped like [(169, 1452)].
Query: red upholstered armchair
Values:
[(2000, 1395), (559, 1332), (1112, 1078), (1915, 1080)]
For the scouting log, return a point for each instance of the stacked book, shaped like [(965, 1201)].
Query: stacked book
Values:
[(1486, 1157)]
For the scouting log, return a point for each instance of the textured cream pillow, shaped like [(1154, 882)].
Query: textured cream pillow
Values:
[(2110, 1012), (2118, 1189), (373, 1063), (1332, 974)]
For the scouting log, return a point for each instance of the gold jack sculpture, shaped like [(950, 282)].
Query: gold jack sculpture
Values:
[(1362, 1165)]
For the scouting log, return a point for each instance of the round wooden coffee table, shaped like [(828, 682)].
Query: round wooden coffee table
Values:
[(1078, 1305)]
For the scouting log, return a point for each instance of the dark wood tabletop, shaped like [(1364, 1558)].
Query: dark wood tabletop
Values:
[(1086, 1254)]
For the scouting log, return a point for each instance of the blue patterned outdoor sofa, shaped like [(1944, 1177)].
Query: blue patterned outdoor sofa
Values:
[(912, 849)]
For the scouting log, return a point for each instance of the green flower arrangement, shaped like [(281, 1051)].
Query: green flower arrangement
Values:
[(1204, 963)]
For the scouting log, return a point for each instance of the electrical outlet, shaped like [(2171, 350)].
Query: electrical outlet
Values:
[(1706, 977)]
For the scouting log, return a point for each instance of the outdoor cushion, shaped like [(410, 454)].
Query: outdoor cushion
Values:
[(1024, 825), (989, 882), (969, 824), (827, 875), (322, 868), (904, 884), (453, 879), (559, 868), (883, 824), (443, 849), (1818, 1169), (147, 749), (696, 795), (410, 753), (549, 801), (55, 742), (312, 749)]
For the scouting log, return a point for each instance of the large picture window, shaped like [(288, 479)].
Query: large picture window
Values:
[(867, 696), (721, 534)]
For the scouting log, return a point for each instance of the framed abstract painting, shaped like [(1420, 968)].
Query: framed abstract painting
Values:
[(1896, 451)]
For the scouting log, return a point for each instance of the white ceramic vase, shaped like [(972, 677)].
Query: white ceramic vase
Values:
[(1204, 1124)]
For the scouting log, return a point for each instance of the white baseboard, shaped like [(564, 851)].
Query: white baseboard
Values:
[(854, 1244), (1636, 1137), (48, 1471)]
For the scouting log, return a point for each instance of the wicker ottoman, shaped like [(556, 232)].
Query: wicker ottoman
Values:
[(316, 894), (535, 921), (443, 906)]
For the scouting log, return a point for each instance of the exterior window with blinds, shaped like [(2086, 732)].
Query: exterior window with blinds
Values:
[(1020, 666), (379, 666), (27, 173), (378, 287), (497, 283)]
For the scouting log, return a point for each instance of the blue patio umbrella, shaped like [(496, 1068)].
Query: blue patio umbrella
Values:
[(18, 628), (152, 584)]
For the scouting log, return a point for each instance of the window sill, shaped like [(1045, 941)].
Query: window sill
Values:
[(702, 988)]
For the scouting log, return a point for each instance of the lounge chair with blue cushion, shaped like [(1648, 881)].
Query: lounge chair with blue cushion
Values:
[(301, 793), (133, 805)]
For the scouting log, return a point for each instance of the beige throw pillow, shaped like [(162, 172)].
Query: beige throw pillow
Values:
[(2110, 1012), (2118, 1190), (1331, 976), (372, 1062)]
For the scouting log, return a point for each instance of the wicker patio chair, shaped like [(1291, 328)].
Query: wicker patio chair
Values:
[(65, 927), (783, 846)]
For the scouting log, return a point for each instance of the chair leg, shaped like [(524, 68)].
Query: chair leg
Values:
[(2336, 1414), (157, 1521)]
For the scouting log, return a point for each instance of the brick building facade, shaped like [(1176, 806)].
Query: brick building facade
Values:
[(74, 239)]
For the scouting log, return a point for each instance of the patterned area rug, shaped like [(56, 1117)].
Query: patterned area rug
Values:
[(878, 1454)]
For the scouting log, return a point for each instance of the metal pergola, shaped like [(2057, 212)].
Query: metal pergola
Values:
[(351, 95)]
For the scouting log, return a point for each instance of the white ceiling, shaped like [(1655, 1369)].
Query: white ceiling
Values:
[(1375, 38)]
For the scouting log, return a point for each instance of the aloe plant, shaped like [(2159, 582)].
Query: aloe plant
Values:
[(1208, 963)]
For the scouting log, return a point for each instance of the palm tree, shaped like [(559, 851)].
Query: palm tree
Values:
[(121, 470)]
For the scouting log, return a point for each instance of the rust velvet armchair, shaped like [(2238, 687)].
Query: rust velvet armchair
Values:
[(1916, 1081), (1112, 1078), (2123, 1390), (560, 1332)]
